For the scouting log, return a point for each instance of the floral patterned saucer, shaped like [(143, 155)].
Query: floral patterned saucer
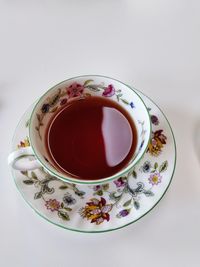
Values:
[(104, 207)]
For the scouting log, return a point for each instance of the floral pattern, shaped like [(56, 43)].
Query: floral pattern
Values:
[(96, 211), (100, 204), (158, 139), (157, 143), (52, 204), (44, 189), (123, 213), (125, 197), (24, 143), (109, 91), (100, 189), (154, 120), (155, 178), (73, 91), (146, 166), (120, 182), (68, 199)]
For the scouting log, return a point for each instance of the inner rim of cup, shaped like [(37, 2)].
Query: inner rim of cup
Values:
[(112, 88)]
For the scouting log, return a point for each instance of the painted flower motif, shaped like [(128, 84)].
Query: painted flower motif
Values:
[(96, 187), (52, 204), (120, 182), (100, 189), (109, 91), (24, 143), (79, 193), (155, 178), (75, 89), (96, 211), (132, 105), (63, 101), (156, 144), (45, 108), (154, 120), (123, 213), (68, 199), (146, 167)]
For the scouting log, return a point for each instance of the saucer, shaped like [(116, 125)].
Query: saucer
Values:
[(105, 207)]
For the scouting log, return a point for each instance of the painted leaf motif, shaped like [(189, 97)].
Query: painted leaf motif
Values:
[(63, 215), (134, 173), (99, 193), (87, 82), (80, 193), (24, 173), (127, 203), (67, 209), (105, 187), (136, 205), (28, 182), (62, 187), (148, 193), (34, 176), (119, 95), (125, 101), (156, 165), (163, 166), (38, 116), (38, 195), (113, 196), (54, 109), (27, 123)]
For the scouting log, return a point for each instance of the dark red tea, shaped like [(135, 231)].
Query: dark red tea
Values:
[(91, 138)]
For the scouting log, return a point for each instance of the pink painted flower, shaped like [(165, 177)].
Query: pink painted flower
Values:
[(155, 178), (120, 182), (75, 89), (109, 91), (52, 204)]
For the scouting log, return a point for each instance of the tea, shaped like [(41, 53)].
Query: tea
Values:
[(91, 138)]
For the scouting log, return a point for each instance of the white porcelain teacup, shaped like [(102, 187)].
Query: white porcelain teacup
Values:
[(72, 90)]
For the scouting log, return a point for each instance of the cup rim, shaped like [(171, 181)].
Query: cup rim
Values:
[(98, 181)]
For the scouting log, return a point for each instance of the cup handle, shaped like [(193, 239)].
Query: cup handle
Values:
[(15, 156)]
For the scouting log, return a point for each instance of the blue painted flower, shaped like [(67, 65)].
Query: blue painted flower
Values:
[(132, 105), (146, 167), (68, 199)]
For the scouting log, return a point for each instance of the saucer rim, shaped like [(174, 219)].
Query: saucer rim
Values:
[(112, 229)]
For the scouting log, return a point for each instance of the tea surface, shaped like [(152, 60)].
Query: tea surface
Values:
[(91, 138)]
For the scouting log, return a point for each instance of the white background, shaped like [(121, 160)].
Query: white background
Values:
[(153, 45)]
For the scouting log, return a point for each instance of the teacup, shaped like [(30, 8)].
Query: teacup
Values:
[(74, 89)]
